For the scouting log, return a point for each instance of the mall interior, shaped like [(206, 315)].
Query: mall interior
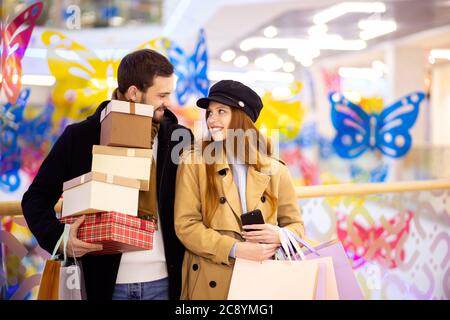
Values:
[(380, 186)]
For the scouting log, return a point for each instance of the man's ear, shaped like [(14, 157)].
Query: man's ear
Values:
[(132, 94)]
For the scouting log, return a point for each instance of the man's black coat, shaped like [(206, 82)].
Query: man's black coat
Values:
[(70, 157)]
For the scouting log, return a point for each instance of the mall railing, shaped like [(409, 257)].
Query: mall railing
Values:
[(396, 235)]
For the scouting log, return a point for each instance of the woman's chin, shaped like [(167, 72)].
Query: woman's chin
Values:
[(218, 137)]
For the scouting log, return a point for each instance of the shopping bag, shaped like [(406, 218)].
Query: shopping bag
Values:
[(326, 288), (71, 283), (347, 284), (293, 278), (61, 281), (49, 286), (273, 280)]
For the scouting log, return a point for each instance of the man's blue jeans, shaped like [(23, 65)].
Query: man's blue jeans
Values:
[(153, 290)]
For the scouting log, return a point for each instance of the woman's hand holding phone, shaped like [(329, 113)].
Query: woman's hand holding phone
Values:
[(262, 233)]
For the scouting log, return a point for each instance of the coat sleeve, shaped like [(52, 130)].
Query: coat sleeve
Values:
[(190, 229), (39, 201), (288, 210)]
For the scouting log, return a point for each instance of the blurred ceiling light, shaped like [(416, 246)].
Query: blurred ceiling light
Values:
[(252, 76), (281, 77), (228, 55), (270, 32), (316, 30), (304, 61), (348, 7), (440, 54), (241, 61), (259, 42), (269, 62), (379, 65), (360, 73), (260, 91), (375, 28), (330, 42), (281, 92), (431, 59), (35, 80), (345, 45), (288, 67), (311, 52)]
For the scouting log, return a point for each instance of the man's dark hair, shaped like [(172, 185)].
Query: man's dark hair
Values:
[(140, 67)]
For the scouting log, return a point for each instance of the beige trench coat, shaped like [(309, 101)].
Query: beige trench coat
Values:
[(207, 267)]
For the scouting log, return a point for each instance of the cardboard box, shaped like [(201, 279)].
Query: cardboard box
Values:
[(126, 124), (96, 192), (124, 162), (117, 232)]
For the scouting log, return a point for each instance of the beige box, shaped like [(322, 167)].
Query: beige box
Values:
[(97, 192), (126, 124), (124, 162)]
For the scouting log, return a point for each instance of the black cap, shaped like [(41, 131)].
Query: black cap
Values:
[(234, 94)]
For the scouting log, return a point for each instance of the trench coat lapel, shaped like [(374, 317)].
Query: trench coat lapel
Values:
[(257, 182), (230, 189)]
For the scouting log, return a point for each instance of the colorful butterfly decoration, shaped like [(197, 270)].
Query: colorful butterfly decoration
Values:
[(11, 126), (285, 115), (380, 241), (387, 131), (14, 40), (82, 78), (37, 138), (190, 70)]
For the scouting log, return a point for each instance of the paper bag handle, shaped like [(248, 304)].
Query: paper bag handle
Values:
[(65, 238)]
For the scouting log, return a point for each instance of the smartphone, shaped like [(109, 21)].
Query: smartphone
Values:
[(252, 217)]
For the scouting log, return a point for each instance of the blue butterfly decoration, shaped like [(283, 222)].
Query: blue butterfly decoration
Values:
[(38, 130), (376, 175), (11, 126), (388, 131), (190, 70)]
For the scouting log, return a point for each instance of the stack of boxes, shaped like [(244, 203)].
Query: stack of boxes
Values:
[(109, 194)]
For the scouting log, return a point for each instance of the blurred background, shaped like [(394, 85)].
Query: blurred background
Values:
[(354, 92)]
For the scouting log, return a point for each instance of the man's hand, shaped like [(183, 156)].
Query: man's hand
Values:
[(75, 247)]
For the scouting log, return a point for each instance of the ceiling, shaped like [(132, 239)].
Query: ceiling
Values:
[(231, 22)]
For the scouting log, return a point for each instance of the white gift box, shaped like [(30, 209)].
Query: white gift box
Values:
[(97, 192), (124, 162)]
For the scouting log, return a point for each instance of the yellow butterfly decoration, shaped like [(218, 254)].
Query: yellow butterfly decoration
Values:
[(83, 80), (283, 115)]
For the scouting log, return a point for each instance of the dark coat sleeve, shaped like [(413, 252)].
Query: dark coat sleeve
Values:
[(39, 201)]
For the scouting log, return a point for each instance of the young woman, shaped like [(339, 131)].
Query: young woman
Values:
[(218, 182)]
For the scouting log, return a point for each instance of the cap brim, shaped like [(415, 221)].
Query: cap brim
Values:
[(204, 102)]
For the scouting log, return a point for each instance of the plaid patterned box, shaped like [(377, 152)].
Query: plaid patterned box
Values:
[(117, 232)]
